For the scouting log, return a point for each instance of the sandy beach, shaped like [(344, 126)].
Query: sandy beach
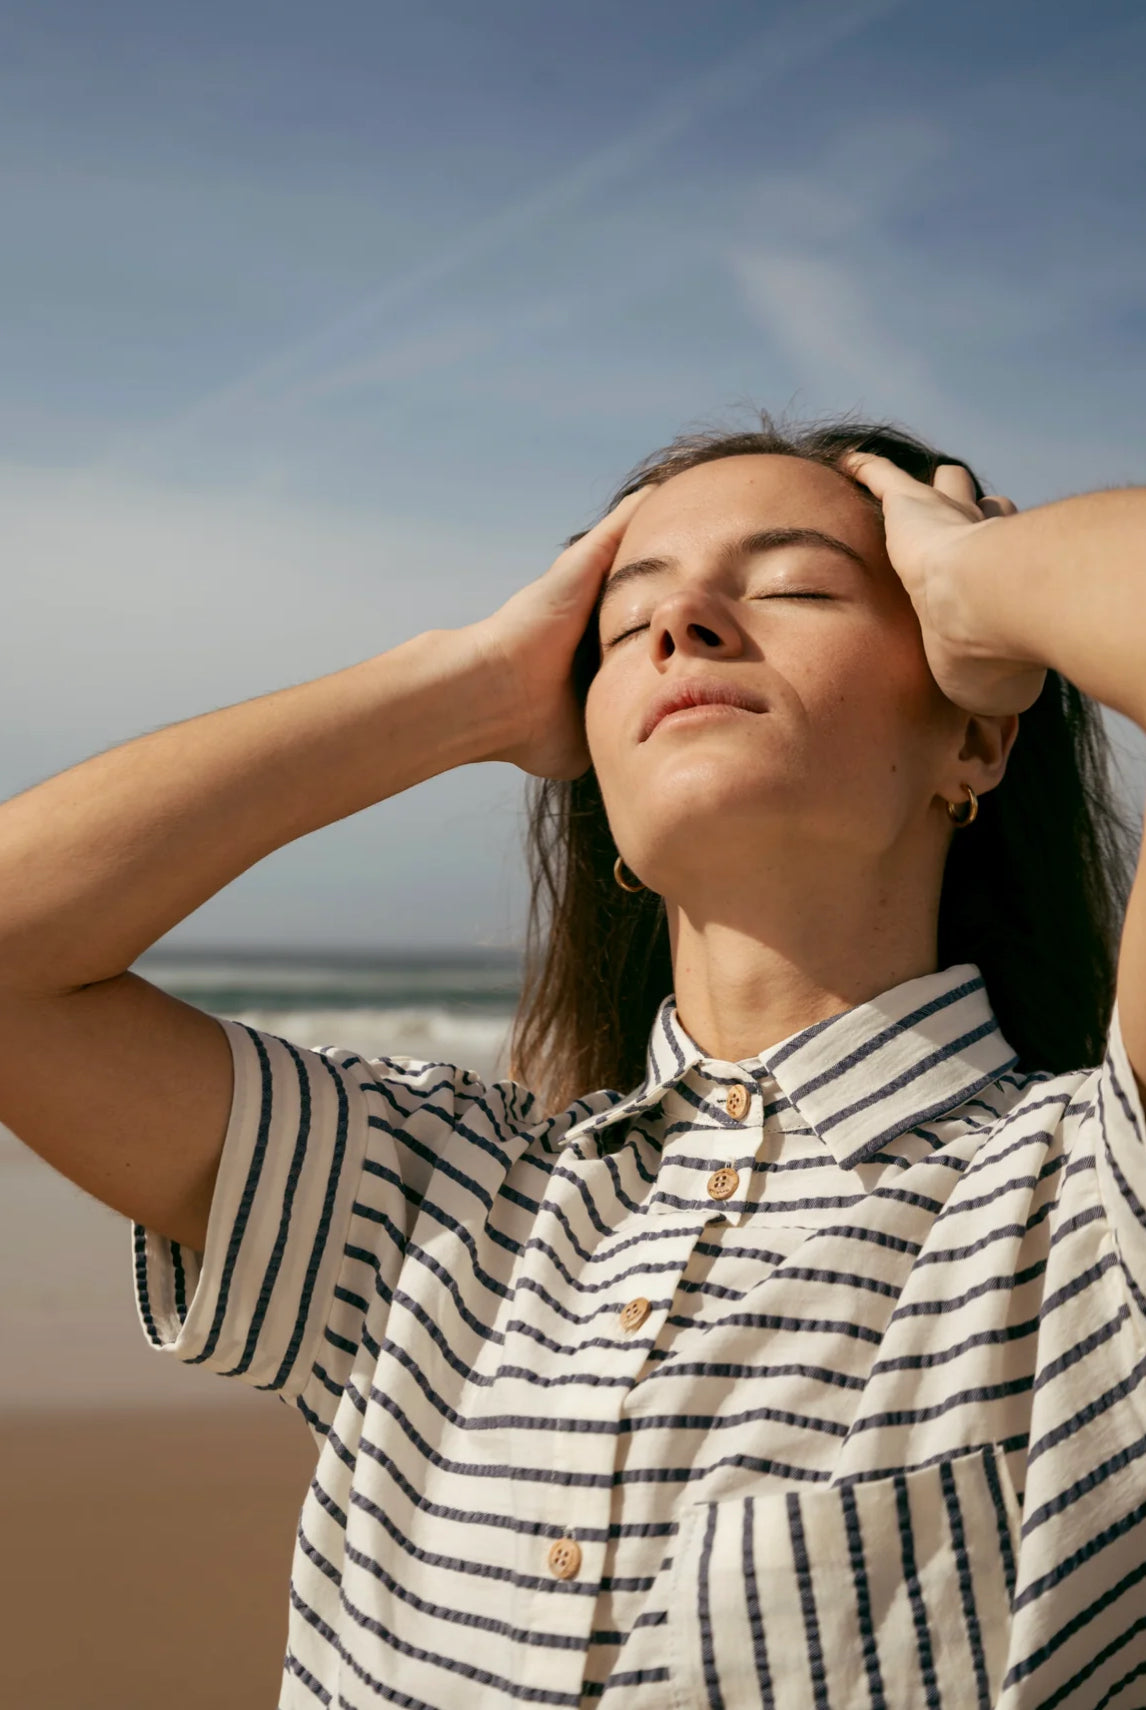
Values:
[(148, 1509), (147, 1557)]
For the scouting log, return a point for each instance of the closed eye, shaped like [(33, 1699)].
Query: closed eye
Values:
[(625, 633), (782, 594)]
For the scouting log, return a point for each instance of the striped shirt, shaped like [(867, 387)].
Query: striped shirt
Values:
[(813, 1381)]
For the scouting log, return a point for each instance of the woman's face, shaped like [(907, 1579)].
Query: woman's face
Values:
[(842, 738)]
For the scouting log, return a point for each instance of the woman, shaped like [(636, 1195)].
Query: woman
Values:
[(801, 1365)]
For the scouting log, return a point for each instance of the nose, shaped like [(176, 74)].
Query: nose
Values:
[(694, 622)]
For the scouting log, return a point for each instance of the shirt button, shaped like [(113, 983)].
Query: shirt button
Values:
[(737, 1102), (634, 1315), (565, 1557), (722, 1183)]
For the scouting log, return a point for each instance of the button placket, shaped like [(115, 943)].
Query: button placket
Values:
[(562, 1480), (744, 1102)]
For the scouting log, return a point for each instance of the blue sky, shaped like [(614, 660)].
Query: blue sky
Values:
[(323, 325)]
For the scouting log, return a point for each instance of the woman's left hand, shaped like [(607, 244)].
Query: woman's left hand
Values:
[(928, 531)]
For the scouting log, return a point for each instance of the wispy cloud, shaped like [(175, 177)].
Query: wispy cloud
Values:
[(820, 278), (798, 38), (819, 312), (460, 339), (848, 267)]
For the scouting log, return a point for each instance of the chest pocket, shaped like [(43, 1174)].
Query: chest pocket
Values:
[(884, 1595)]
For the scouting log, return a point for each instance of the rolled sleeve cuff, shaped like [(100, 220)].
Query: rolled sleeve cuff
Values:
[(254, 1304)]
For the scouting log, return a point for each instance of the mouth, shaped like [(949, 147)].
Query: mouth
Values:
[(686, 697)]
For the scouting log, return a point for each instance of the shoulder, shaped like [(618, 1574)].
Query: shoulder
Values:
[(450, 1096), (1098, 1099)]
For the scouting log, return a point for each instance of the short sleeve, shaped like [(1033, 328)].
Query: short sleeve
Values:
[(1120, 1147), (324, 1164)]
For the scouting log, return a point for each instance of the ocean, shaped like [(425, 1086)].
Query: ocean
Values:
[(452, 1006)]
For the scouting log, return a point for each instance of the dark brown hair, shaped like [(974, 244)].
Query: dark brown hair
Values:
[(1034, 893)]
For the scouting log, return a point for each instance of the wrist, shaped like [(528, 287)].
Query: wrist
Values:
[(474, 686), (976, 578)]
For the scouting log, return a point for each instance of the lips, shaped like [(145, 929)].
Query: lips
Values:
[(684, 695)]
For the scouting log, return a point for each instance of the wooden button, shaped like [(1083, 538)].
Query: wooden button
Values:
[(634, 1315), (722, 1183), (565, 1557), (737, 1102)]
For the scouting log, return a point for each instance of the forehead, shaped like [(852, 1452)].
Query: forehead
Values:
[(736, 494)]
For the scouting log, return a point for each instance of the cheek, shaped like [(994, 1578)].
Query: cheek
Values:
[(884, 660), (604, 707), (867, 694)]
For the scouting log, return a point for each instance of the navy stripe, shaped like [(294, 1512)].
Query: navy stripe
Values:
[(294, 1175), (868, 1637), (714, 1698), (1073, 1493), (939, 1107), (752, 1598), (1083, 1556), (1002, 1522), (482, 1623), (916, 1018), (449, 1666), (966, 1585), (1120, 1686), (293, 1666), (1123, 1097), (804, 1583), (927, 1673), (142, 1291), (1078, 1623), (180, 1279), (624, 1680), (246, 1202), (338, 1153)]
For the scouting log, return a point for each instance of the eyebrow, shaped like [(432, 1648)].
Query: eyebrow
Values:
[(764, 540)]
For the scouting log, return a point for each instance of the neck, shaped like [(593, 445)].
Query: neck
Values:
[(747, 977)]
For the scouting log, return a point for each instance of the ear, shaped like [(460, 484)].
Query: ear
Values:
[(987, 740)]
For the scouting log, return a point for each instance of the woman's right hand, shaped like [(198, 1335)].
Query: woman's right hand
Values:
[(530, 643)]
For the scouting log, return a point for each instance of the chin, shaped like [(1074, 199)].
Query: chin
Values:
[(712, 779), (673, 805)]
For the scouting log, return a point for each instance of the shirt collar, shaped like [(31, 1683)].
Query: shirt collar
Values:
[(859, 1078)]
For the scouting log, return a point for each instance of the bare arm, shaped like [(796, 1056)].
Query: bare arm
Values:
[(125, 1089)]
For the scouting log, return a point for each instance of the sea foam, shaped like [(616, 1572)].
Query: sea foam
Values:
[(430, 1034)]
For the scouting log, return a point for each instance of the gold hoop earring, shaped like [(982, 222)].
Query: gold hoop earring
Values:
[(618, 874), (972, 809)]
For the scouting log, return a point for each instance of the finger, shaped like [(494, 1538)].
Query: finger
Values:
[(995, 505), (601, 542), (591, 554), (616, 521), (878, 474), (955, 482)]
